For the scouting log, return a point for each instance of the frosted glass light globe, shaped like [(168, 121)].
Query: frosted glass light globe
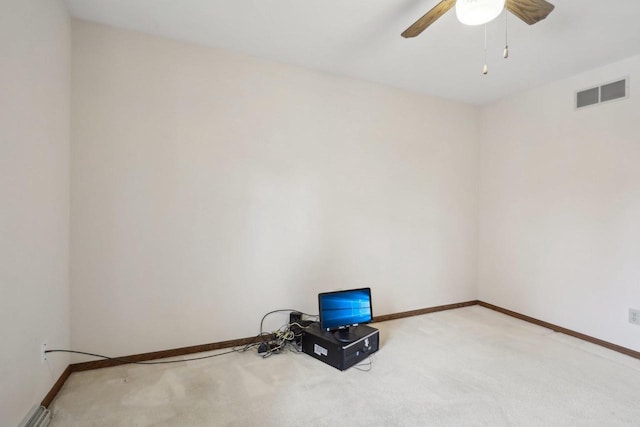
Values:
[(477, 12)]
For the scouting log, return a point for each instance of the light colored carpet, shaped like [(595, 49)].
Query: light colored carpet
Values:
[(464, 367)]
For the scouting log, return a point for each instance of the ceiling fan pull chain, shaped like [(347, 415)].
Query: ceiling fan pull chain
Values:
[(505, 54), (485, 69)]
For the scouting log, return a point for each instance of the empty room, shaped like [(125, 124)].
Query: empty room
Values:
[(284, 213)]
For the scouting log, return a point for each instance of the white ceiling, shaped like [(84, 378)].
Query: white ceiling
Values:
[(361, 39)]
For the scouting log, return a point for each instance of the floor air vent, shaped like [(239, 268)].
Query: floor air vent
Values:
[(38, 416), (603, 93)]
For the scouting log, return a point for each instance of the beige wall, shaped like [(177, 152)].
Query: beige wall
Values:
[(210, 188), (560, 206), (34, 200)]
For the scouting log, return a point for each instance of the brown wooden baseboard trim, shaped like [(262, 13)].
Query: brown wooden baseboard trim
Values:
[(56, 387), (393, 316), (556, 328), (142, 357), (76, 367)]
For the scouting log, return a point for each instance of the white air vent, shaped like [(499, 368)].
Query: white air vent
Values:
[(615, 90), (618, 89), (38, 416), (587, 97)]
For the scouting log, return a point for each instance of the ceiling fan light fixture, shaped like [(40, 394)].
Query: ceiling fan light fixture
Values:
[(478, 12)]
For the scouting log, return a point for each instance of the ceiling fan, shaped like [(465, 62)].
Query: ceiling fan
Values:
[(530, 11)]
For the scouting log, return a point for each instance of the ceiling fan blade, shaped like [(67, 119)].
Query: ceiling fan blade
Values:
[(530, 11), (429, 18)]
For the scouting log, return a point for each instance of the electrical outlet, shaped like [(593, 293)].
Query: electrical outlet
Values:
[(634, 316), (43, 354)]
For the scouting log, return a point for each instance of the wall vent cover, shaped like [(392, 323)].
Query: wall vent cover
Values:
[(613, 90), (618, 89), (587, 97), (38, 416)]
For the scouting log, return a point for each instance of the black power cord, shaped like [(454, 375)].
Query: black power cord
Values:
[(270, 349), (125, 360)]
